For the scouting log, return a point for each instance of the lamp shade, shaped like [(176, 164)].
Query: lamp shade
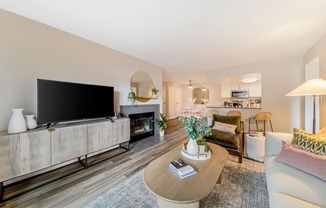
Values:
[(310, 87)]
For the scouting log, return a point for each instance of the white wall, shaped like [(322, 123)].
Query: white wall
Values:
[(319, 49), (278, 78), (31, 50)]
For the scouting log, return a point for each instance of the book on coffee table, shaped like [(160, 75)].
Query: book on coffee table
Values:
[(182, 169)]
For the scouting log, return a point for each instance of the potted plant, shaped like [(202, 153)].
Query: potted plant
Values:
[(203, 146), (258, 102), (132, 97), (161, 123), (154, 92), (195, 128)]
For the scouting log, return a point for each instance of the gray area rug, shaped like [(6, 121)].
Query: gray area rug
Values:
[(243, 185)]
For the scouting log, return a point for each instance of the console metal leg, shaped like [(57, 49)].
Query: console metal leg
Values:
[(1, 191), (83, 163)]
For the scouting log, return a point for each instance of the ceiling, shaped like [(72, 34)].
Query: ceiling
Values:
[(187, 38)]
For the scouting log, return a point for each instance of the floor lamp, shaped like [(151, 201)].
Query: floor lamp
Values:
[(312, 87)]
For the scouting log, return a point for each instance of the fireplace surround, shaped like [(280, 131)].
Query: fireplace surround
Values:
[(132, 111)]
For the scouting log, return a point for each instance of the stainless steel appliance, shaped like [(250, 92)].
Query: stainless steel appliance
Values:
[(239, 94)]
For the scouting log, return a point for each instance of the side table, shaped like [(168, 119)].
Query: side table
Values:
[(255, 147)]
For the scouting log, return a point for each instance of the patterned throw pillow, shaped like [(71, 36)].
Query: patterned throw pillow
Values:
[(309, 142)]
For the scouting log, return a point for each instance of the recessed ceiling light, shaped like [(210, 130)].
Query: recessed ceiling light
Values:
[(249, 80)]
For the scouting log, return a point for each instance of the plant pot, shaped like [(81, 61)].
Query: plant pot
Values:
[(201, 148), (162, 133), (192, 147)]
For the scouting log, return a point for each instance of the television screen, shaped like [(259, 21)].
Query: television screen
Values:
[(63, 101)]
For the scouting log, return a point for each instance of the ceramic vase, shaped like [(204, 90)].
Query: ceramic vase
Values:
[(161, 133), (192, 147), (17, 122), (31, 122)]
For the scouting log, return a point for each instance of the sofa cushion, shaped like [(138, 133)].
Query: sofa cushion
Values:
[(224, 139), (282, 178), (229, 128), (273, 142), (308, 141), (303, 160), (235, 120)]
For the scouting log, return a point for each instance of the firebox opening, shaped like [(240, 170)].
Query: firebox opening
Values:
[(141, 126)]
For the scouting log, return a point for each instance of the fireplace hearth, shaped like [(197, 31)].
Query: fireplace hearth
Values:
[(141, 126)]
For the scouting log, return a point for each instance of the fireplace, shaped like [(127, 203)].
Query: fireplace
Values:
[(141, 126)]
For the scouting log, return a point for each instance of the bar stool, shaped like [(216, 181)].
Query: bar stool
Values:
[(262, 116), (210, 113), (233, 113)]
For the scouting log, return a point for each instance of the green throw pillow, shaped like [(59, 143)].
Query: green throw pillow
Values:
[(309, 142)]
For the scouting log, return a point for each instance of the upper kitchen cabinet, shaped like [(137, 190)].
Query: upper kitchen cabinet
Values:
[(254, 88), (227, 88)]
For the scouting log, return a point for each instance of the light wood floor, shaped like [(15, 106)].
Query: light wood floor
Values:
[(79, 187)]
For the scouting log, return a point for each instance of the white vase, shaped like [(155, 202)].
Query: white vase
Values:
[(161, 133), (17, 122), (31, 122), (192, 147)]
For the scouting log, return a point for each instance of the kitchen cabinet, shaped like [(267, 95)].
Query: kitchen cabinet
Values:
[(253, 88), (227, 88)]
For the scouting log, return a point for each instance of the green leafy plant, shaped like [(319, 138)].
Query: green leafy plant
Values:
[(258, 100), (195, 127), (202, 142), (132, 97), (161, 123), (154, 90)]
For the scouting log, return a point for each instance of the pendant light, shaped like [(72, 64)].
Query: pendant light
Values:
[(190, 85)]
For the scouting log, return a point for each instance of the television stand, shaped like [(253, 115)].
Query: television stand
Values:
[(38, 149), (109, 118)]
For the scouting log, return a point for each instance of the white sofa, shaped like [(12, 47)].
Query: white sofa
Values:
[(287, 186)]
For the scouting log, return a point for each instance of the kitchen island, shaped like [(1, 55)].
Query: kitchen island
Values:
[(246, 113)]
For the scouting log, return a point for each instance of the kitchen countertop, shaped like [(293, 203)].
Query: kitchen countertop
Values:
[(233, 107)]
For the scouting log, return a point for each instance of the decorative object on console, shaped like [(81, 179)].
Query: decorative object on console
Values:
[(195, 128), (312, 87), (161, 123), (31, 122), (17, 122)]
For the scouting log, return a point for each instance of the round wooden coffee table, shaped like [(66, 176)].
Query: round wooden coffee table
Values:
[(173, 191)]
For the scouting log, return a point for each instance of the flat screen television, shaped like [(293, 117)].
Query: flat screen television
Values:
[(64, 101)]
